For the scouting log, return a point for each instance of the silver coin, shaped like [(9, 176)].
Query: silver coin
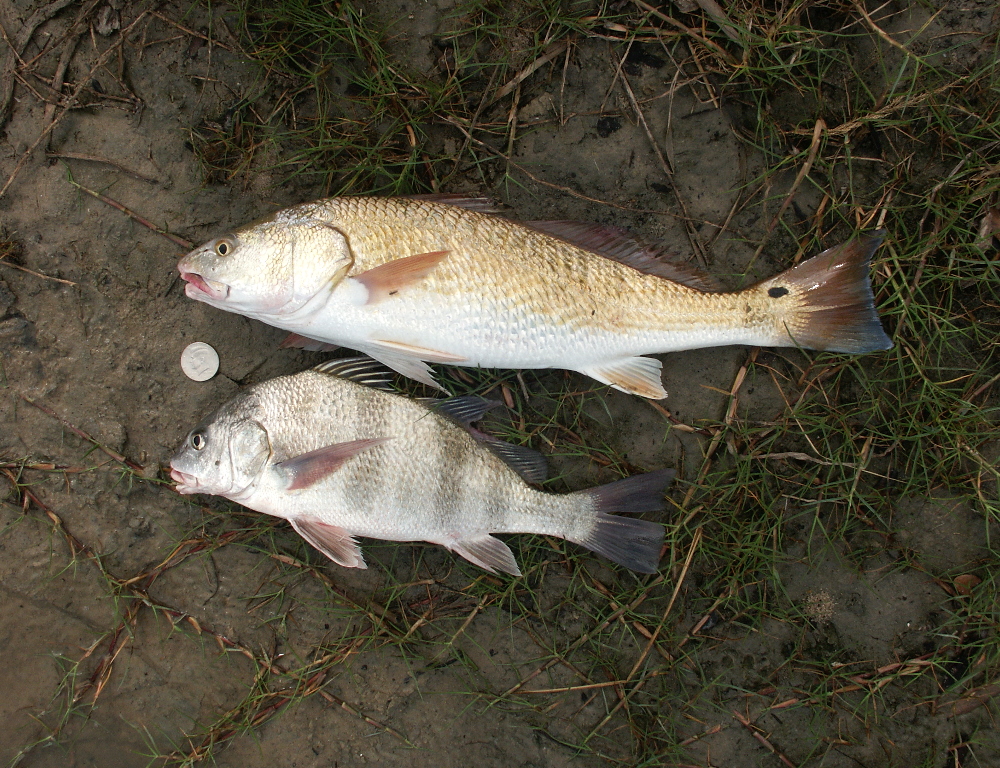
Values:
[(199, 361)]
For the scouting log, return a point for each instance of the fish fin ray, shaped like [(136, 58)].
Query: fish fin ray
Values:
[(481, 204), (388, 279), (361, 370), (407, 365), (837, 305), (633, 543), (527, 462), (297, 341), (465, 409), (622, 246), (333, 541), (309, 468), (421, 353), (487, 552), (635, 375)]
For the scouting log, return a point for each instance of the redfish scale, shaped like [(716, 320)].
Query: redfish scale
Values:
[(509, 268)]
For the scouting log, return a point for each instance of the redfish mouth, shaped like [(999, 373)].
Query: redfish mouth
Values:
[(185, 483), (199, 287)]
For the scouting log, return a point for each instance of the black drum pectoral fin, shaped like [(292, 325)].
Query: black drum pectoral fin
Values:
[(309, 468)]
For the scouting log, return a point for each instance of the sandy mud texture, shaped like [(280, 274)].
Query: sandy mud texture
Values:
[(821, 596)]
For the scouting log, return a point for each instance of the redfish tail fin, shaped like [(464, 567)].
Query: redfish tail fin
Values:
[(835, 309), (636, 544)]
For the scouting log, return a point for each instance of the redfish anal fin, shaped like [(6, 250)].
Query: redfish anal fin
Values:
[(635, 375), (636, 544), (390, 278), (836, 304), (333, 541), (309, 468), (487, 552)]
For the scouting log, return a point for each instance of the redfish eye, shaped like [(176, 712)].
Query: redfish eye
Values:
[(198, 441), (224, 246)]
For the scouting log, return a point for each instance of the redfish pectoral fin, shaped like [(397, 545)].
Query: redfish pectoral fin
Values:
[(487, 552), (332, 541), (388, 279), (309, 468), (635, 375)]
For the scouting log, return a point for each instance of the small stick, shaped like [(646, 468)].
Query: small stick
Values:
[(714, 10), (96, 159), (357, 713), (553, 50), (590, 686), (568, 190), (623, 700), (80, 433), (689, 229), (818, 130), (185, 30), (700, 38), (695, 541), (757, 735), (36, 274), (185, 244)]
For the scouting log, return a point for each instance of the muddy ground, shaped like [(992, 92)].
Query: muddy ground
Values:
[(94, 332)]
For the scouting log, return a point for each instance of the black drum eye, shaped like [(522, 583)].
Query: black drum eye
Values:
[(198, 441)]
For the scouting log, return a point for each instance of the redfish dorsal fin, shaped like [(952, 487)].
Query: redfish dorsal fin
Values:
[(835, 306), (480, 204), (624, 247)]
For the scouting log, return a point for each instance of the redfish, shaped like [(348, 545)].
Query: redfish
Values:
[(411, 281)]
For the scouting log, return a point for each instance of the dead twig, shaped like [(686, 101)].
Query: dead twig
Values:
[(817, 134), (689, 229), (623, 700), (5, 263), (80, 433), (760, 737), (716, 48), (555, 49), (185, 244), (103, 160)]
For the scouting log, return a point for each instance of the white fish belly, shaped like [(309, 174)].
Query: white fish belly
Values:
[(492, 333)]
